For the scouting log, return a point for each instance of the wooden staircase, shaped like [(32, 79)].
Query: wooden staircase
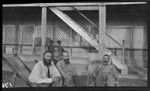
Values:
[(82, 32)]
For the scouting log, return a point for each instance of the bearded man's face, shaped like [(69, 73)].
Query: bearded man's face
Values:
[(48, 57)]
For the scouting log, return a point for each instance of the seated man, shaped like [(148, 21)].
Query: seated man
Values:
[(106, 74), (66, 70), (44, 73), (57, 55)]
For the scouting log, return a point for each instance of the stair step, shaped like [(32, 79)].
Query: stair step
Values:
[(122, 67)]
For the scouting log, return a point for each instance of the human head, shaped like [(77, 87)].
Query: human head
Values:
[(59, 43), (106, 59), (47, 57), (51, 42), (65, 57), (56, 49), (57, 54)]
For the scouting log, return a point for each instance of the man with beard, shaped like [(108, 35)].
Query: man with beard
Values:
[(45, 73), (66, 69), (107, 74)]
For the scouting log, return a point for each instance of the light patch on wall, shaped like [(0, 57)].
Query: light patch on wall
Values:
[(138, 37), (9, 49), (118, 34)]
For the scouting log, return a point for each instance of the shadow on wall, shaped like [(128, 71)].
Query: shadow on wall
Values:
[(145, 52)]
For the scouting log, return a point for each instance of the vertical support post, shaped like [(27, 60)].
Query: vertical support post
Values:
[(102, 30), (144, 54), (123, 51), (131, 45), (43, 28), (16, 39)]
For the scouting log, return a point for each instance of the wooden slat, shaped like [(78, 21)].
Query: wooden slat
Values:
[(118, 64)]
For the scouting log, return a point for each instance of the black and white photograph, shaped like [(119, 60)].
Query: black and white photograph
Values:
[(75, 44)]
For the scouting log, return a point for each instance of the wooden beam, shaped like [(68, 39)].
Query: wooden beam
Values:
[(131, 45), (102, 30), (71, 4), (43, 28), (16, 39)]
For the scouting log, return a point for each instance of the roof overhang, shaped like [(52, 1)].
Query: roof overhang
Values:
[(67, 5)]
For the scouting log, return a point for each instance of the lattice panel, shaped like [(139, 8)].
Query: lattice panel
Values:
[(18, 35), (76, 39), (50, 32), (38, 31), (62, 32), (27, 37), (9, 34), (3, 38), (90, 29), (83, 41)]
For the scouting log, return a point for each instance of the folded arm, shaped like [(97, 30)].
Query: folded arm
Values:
[(36, 77)]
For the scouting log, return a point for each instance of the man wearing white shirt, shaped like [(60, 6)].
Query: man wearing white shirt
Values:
[(45, 73)]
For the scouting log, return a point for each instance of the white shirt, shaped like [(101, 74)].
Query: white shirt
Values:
[(39, 73)]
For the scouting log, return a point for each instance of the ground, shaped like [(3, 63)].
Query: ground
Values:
[(124, 81)]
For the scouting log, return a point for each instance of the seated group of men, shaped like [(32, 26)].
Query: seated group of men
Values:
[(55, 70)]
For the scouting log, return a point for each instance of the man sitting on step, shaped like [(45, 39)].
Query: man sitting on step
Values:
[(57, 55), (45, 73), (66, 69), (106, 74)]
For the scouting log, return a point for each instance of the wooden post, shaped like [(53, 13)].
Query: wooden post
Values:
[(43, 28), (102, 30), (16, 39), (131, 45), (123, 51)]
